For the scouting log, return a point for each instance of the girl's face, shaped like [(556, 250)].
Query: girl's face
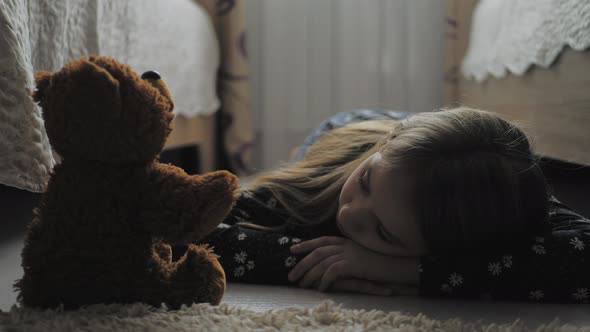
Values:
[(375, 210)]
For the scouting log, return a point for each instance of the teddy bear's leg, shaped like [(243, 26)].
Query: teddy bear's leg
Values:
[(197, 277), (199, 273)]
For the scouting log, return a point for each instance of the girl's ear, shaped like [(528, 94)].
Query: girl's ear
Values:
[(42, 79)]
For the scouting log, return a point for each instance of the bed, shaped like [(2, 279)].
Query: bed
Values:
[(551, 100)]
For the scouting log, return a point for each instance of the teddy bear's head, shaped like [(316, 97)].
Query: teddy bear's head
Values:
[(97, 109)]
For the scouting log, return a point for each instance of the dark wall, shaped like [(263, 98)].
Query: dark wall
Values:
[(16, 210), (570, 182)]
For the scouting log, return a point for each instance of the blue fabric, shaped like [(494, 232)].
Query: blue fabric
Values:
[(344, 118)]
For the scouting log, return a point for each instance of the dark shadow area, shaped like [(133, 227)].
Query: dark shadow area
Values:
[(570, 182), (16, 211), (185, 157)]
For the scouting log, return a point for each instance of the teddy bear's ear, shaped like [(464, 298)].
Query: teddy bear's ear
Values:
[(42, 80)]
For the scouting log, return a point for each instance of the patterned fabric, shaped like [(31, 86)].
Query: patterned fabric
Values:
[(260, 256), (254, 256), (344, 118), (229, 18), (551, 267)]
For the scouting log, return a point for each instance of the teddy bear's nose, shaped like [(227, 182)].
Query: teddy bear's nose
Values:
[(151, 75)]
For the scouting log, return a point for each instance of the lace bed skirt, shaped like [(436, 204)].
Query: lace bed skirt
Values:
[(512, 35)]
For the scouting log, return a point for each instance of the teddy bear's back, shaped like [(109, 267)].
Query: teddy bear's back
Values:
[(87, 229)]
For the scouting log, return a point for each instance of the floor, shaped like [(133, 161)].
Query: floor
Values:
[(572, 185), (259, 297)]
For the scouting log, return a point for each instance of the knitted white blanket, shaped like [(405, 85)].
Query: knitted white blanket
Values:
[(174, 37), (25, 154)]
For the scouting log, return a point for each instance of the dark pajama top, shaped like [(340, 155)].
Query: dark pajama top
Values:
[(549, 267)]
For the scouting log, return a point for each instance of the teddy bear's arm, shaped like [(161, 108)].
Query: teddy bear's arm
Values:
[(184, 208)]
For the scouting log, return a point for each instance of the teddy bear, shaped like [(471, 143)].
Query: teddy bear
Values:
[(104, 228)]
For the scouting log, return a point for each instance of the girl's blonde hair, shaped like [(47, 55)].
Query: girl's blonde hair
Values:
[(478, 183)]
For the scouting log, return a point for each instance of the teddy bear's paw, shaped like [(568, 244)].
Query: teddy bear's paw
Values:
[(218, 186), (164, 251), (200, 269), (200, 255)]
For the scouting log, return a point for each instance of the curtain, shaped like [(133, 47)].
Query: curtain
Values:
[(311, 59), (234, 119)]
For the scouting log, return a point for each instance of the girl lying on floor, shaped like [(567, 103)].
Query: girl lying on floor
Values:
[(450, 203)]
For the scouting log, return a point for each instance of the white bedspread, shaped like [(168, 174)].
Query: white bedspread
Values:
[(25, 154), (512, 35), (173, 37)]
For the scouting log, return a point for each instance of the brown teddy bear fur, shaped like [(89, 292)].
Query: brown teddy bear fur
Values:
[(101, 231)]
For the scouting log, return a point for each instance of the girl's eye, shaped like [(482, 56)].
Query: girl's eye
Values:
[(362, 183)]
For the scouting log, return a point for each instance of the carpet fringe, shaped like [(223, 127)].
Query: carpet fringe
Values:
[(326, 316)]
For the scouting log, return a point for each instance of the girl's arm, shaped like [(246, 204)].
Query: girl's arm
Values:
[(256, 255), (257, 207), (261, 257), (253, 256), (552, 267)]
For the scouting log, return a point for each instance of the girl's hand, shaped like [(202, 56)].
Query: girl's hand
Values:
[(334, 258)]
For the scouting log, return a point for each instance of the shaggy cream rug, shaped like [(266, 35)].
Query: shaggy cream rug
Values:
[(327, 316)]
